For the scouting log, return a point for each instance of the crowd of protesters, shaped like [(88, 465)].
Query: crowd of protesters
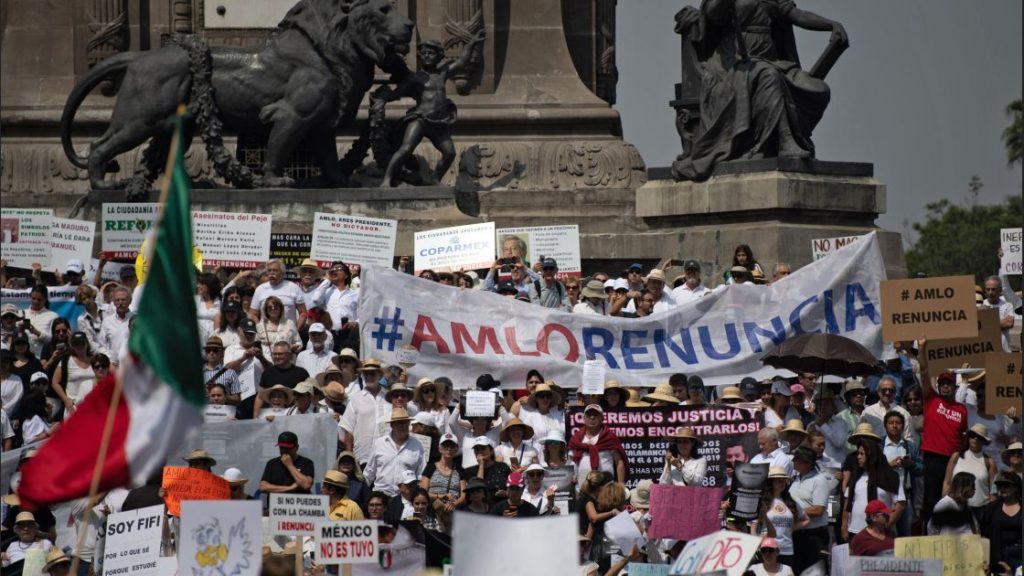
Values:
[(861, 461)]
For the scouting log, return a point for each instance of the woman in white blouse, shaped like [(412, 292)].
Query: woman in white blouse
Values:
[(683, 466), (541, 412), (275, 327)]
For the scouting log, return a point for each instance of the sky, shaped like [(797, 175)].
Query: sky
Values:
[(921, 93)]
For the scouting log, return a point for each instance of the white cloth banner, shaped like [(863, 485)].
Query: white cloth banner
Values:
[(464, 333)]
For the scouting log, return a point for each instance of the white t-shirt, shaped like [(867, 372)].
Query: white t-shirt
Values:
[(11, 391), (758, 570), (249, 372), (605, 462), (33, 427), (525, 454), (288, 292), (858, 521), (782, 519), (6, 430)]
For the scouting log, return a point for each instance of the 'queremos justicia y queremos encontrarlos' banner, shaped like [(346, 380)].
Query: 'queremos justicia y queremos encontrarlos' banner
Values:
[(462, 333)]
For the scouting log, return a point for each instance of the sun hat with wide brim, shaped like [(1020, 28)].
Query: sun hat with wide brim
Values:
[(397, 388), (594, 289), (777, 472), (1005, 455), (686, 432), (266, 392), (332, 370), (980, 431), (548, 386), (370, 364), (732, 393), (634, 400), (310, 264), (662, 393), (199, 455), (795, 425), (512, 423), (399, 415), (865, 431), (54, 557), (640, 497), (336, 478), (611, 385)]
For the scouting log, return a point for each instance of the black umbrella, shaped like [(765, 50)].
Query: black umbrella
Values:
[(823, 354)]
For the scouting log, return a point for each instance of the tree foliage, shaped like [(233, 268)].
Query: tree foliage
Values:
[(1013, 135), (958, 239)]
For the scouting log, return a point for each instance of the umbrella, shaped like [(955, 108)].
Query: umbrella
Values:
[(823, 354)]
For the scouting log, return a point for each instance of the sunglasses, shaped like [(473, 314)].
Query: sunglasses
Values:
[(535, 474), (544, 396), (769, 551), (886, 390)]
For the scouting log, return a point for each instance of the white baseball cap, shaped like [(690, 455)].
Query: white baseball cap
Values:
[(38, 376), (621, 284), (534, 468), (482, 441), (609, 283), (317, 327), (74, 266), (448, 437), (408, 477)]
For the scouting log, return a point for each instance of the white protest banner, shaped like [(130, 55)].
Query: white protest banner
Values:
[(26, 236), (248, 444), (479, 403), (531, 243), (70, 239), (232, 239), (296, 514), (593, 377), (219, 413), (350, 542), (465, 333), (353, 239), (450, 249), (728, 551), (124, 226), (551, 541), (133, 542), (878, 566), (220, 537), (821, 247), (1010, 243)]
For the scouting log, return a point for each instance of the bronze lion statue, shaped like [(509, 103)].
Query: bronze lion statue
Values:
[(301, 84)]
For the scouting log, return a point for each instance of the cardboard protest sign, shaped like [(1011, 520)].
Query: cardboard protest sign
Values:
[(532, 243), (457, 248), (821, 247), (133, 542), (684, 512), (70, 239), (124, 226), (878, 566), (296, 514), (26, 236), (550, 540), (353, 239), (929, 307), (220, 538), (960, 555), (181, 484), (350, 542), (1010, 243), (1003, 380), (948, 354), (728, 551), (291, 249), (232, 239), (644, 434)]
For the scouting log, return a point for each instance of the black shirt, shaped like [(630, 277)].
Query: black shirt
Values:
[(271, 375), (277, 474), (523, 510)]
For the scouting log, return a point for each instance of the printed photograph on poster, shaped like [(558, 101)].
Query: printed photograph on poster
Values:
[(232, 239), (70, 240), (26, 236), (353, 239), (530, 243), (123, 227), (728, 435), (223, 537), (469, 247)]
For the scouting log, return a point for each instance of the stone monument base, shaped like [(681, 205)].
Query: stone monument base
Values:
[(777, 206)]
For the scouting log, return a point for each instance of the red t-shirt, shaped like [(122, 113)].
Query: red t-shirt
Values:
[(944, 426), (864, 544)]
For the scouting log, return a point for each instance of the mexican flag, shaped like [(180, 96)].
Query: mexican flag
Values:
[(157, 397)]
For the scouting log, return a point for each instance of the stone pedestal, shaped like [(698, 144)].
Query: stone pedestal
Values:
[(775, 206)]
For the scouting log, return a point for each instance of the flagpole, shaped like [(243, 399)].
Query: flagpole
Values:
[(115, 399)]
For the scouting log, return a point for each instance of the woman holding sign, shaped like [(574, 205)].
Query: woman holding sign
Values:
[(683, 465)]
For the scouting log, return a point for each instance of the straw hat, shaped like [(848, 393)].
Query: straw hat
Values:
[(396, 388), (732, 393), (547, 386), (25, 517), (527, 429), (611, 385), (634, 400), (53, 557), (335, 392), (777, 472), (345, 353), (310, 263), (687, 432), (305, 387), (369, 364), (981, 431), (336, 478), (852, 385), (662, 393), (795, 425), (865, 430), (1006, 453), (321, 378), (234, 477), (640, 497), (266, 392), (198, 455), (655, 274), (978, 376), (399, 415)]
